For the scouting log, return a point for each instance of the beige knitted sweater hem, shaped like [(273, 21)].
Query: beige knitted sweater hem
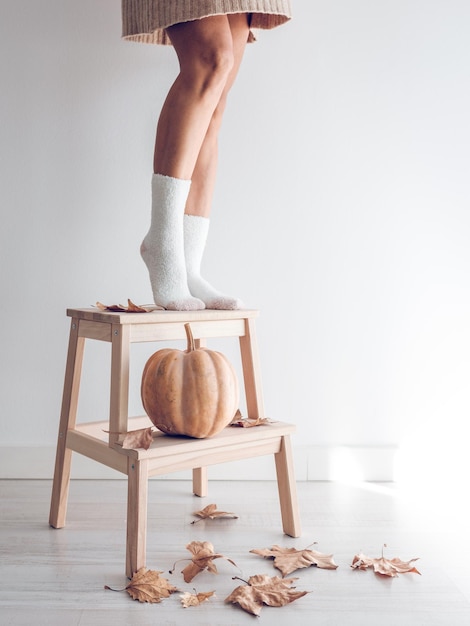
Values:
[(145, 21)]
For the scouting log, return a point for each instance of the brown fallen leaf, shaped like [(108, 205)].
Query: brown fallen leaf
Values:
[(241, 422), (211, 512), (121, 308), (141, 438), (146, 585), (287, 560), (202, 559), (383, 566), (110, 307), (195, 599), (250, 423), (135, 308), (261, 589)]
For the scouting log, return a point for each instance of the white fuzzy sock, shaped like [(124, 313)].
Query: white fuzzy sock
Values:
[(163, 246), (195, 236)]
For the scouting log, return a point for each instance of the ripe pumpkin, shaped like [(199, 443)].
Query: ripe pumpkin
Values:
[(193, 392)]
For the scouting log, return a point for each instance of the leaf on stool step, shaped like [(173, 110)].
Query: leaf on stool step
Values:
[(140, 438), (130, 308), (241, 422)]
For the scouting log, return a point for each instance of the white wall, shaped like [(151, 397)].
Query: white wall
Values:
[(341, 211)]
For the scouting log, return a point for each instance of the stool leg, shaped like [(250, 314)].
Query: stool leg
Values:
[(137, 497), (200, 482), (251, 371), (287, 489), (68, 416), (200, 479)]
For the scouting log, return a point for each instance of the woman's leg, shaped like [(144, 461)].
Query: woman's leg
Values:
[(204, 174), (206, 56), (198, 206), (205, 52)]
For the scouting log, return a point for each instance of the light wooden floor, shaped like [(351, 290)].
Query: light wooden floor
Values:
[(57, 577)]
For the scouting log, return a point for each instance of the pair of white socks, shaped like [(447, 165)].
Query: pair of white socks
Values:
[(173, 249)]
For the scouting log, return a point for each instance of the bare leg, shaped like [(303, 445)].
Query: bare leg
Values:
[(198, 206), (205, 52), (204, 49), (204, 174), (209, 53)]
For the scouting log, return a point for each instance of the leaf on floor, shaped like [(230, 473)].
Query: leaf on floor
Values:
[(383, 566), (195, 599), (261, 589), (211, 512), (202, 559), (287, 560), (147, 585)]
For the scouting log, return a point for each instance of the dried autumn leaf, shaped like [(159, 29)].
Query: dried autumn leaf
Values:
[(120, 308), (135, 308), (146, 585), (261, 589), (240, 421), (383, 566), (202, 559), (287, 560), (211, 512), (195, 599), (110, 307), (250, 423), (141, 438)]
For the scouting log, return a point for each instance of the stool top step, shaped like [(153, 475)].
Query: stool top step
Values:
[(155, 317)]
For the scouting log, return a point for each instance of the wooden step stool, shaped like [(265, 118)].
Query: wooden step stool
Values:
[(166, 454)]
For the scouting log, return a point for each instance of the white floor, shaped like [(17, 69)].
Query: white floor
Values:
[(57, 577)]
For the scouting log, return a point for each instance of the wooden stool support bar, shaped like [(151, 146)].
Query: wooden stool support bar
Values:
[(166, 454)]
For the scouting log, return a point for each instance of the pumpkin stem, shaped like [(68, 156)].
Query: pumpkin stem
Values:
[(189, 335)]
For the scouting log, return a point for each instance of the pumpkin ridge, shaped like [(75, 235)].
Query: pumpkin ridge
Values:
[(171, 400), (228, 391), (197, 402)]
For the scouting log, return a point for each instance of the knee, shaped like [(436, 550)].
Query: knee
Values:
[(218, 61), (210, 69)]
